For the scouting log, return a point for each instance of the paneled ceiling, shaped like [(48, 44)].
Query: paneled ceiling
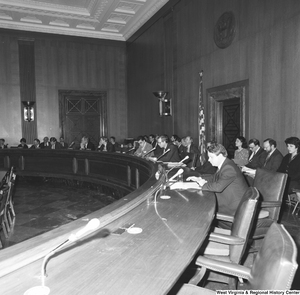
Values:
[(102, 19)]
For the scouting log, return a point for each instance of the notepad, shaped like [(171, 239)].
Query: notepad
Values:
[(185, 185)]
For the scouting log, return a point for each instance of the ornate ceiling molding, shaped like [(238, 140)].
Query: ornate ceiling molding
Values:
[(103, 19)]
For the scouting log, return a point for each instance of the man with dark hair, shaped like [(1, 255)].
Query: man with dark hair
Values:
[(144, 147), (169, 150), (256, 152), (2, 144), (54, 144), (228, 182), (115, 146)]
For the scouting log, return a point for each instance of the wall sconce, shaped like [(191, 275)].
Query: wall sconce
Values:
[(28, 110), (165, 104)]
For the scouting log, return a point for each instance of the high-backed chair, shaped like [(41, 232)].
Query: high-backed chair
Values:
[(230, 245), (271, 186), (3, 212), (274, 267)]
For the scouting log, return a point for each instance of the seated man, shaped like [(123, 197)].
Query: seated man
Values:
[(54, 144), (23, 144), (63, 144), (256, 157), (2, 144), (228, 182), (169, 150), (191, 151), (105, 145), (45, 144), (256, 153), (115, 146), (36, 144), (86, 144), (144, 147)]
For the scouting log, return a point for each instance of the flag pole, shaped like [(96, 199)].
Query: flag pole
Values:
[(201, 120)]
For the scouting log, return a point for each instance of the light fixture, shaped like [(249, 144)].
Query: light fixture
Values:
[(28, 110), (165, 106)]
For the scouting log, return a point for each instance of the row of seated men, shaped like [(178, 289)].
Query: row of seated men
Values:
[(52, 143)]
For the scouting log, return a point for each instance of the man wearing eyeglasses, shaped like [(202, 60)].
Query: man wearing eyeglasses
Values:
[(255, 154)]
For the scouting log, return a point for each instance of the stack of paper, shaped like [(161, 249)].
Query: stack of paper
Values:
[(185, 185)]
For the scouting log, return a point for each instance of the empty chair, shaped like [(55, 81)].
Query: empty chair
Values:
[(274, 267), (230, 245), (3, 212), (297, 193), (271, 186)]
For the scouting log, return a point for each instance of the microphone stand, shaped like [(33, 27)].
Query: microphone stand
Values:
[(163, 154), (149, 152)]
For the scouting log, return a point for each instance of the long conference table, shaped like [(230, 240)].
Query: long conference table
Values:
[(148, 258)]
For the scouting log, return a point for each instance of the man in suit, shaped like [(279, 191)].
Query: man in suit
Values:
[(192, 152), (256, 154), (256, 157), (144, 147), (2, 144), (45, 144), (63, 144), (54, 145), (169, 150), (228, 182), (86, 144), (273, 157)]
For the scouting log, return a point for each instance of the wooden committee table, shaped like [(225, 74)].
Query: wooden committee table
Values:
[(150, 262)]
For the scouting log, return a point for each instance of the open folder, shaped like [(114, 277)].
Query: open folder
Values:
[(185, 185)]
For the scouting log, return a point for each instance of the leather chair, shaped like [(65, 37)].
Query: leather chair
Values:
[(274, 267), (271, 186), (230, 245)]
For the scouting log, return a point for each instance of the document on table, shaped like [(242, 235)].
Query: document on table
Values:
[(185, 185)]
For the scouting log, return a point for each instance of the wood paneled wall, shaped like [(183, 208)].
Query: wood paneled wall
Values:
[(265, 51), (66, 63)]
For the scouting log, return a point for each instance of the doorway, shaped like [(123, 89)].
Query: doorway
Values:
[(83, 113), (227, 109)]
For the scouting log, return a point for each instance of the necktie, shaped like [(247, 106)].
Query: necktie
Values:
[(267, 158)]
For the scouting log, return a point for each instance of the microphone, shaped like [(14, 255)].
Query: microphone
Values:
[(71, 145), (163, 154), (180, 171), (91, 226), (149, 152), (130, 150)]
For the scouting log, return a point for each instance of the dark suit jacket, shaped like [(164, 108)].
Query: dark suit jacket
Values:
[(229, 185), (57, 146), (42, 146), (172, 155), (254, 163), (292, 168), (64, 145), (90, 146), (273, 162)]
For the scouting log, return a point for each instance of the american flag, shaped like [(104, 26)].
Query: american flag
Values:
[(201, 121)]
